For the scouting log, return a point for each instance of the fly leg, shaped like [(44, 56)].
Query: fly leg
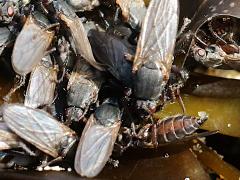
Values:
[(18, 85), (143, 136), (186, 22), (46, 162), (178, 82), (25, 148)]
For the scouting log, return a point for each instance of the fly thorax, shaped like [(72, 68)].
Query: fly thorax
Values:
[(66, 143), (74, 114), (83, 5), (107, 114), (46, 62), (62, 7), (41, 19), (149, 82)]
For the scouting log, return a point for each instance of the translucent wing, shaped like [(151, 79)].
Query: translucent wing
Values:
[(158, 34), (4, 35), (80, 39), (37, 127), (41, 86), (30, 46), (8, 139), (95, 147), (111, 51)]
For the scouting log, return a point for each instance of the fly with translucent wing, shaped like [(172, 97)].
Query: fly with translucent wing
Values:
[(30, 46), (39, 129), (153, 58), (42, 84), (97, 140), (75, 26), (9, 140), (154, 54)]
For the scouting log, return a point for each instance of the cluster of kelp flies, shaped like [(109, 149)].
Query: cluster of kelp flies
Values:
[(108, 78)]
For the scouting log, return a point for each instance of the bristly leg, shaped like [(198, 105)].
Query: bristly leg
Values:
[(21, 82)]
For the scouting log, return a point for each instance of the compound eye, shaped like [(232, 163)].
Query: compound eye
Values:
[(10, 11), (212, 48)]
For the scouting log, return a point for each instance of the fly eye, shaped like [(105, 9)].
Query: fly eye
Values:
[(212, 49), (201, 52), (10, 11), (64, 142)]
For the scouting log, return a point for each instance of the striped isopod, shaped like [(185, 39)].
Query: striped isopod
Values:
[(42, 84), (75, 26), (31, 44), (39, 129), (172, 129), (97, 140), (177, 127)]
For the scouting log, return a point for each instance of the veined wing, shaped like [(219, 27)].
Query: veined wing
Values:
[(37, 127), (158, 34), (30, 46), (41, 87), (95, 147)]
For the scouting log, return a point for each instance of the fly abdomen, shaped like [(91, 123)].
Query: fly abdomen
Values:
[(177, 127)]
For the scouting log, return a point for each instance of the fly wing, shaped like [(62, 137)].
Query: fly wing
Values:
[(8, 139), (30, 46), (111, 51), (36, 127), (158, 34), (79, 35), (95, 147), (4, 35), (41, 87)]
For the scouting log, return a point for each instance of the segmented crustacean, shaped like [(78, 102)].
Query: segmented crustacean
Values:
[(170, 129)]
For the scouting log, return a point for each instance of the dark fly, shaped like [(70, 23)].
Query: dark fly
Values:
[(83, 88), (111, 50), (9, 9), (39, 129), (97, 140), (216, 43), (17, 160)]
